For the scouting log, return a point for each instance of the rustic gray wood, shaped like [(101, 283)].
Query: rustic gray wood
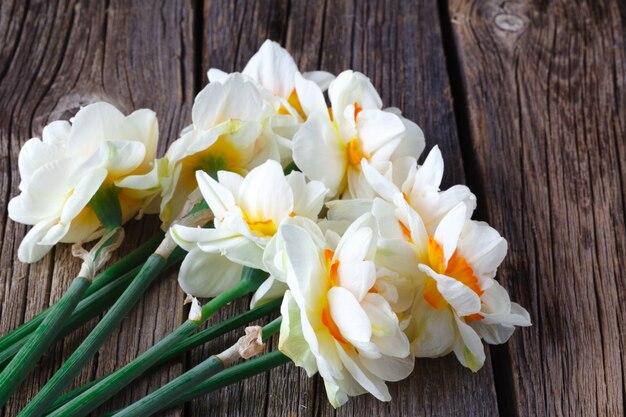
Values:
[(526, 99), (55, 57), (544, 84)]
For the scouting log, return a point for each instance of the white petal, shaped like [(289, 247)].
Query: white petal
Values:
[(321, 78), (318, 152), (449, 229), (390, 368), (310, 95), (292, 342), (238, 249), (369, 381), (305, 263), (386, 333), (385, 188), (188, 237), (273, 68), (216, 75), (30, 250), (431, 172), (308, 197), (461, 297), (269, 290), (469, 349), (207, 274), (483, 248), (413, 141), (349, 316), (355, 247), (352, 87), (218, 197), (234, 98), (265, 194), (348, 210), (230, 180), (399, 256), (93, 125), (82, 194), (357, 277), (431, 331), (380, 133)]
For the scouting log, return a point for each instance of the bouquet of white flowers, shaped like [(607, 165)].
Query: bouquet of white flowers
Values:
[(297, 188)]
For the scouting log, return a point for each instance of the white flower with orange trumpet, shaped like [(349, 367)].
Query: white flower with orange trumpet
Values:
[(331, 144), (334, 321), (248, 211), (95, 153), (457, 301)]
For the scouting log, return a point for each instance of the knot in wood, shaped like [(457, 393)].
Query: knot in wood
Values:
[(509, 22)]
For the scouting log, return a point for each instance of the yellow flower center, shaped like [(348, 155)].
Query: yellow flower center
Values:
[(355, 152), (294, 102), (222, 155), (262, 227)]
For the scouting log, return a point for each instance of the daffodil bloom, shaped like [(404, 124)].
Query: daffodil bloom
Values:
[(334, 321), (457, 301), (61, 172), (331, 144), (274, 70), (285, 89), (420, 188), (248, 211), (227, 133)]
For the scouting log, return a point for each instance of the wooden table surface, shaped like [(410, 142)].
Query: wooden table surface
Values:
[(526, 98)]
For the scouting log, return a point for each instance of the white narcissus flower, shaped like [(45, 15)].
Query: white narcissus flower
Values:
[(285, 89), (334, 321), (419, 187), (60, 173), (226, 134), (331, 144), (248, 211), (457, 300), (276, 72)]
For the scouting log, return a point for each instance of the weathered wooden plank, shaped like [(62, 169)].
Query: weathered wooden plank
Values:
[(56, 56), (545, 87), (399, 45)]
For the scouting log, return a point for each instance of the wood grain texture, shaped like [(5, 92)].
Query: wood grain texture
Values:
[(55, 57), (544, 84), (526, 99)]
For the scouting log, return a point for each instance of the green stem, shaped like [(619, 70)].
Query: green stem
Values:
[(234, 374), (109, 386), (26, 359), (117, 270), (28, 356), (170, 392), (91, 306), (68, 371), (191, 342)]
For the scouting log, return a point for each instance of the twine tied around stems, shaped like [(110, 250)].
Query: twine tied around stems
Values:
[(95, 258), (249, 345)]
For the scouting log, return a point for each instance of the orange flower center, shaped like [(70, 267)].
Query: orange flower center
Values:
[(333, 280), (457, 268), (355, 152)]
